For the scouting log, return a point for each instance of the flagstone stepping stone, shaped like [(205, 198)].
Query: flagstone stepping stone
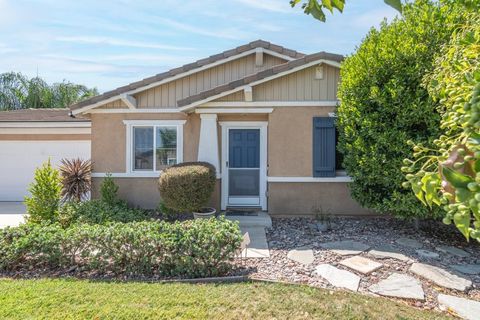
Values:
[(338, 277), (388, 252), (453, 251), (440, 276), (361, 264), (345, 248), (467, 268), (427, 254), (465, 308), (301, 255), (407, 242), (399, 286)]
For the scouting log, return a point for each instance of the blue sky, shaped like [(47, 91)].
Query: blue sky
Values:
[(107, 44)]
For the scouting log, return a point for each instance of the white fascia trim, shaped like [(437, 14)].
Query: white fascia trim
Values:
[(154, 122), (234, 110), (310, 179), (256, 104), (136, 174), (40, 130), (252, 84), (181, 75), (45, 124), (145, 110), (242, 124)]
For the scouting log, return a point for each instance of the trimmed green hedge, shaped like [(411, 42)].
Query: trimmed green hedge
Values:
[(196, 248), (187, 187)]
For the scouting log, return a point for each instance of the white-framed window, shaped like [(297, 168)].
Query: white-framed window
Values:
[(153, 145)]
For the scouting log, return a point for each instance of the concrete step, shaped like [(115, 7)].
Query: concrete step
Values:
[(260, 220)]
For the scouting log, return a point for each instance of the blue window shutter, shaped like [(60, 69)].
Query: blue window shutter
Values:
[(324, 147)]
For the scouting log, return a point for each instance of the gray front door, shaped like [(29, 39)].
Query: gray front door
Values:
[(244, 167)]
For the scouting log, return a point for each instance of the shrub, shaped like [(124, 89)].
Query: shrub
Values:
[(383, 104), (45, 194), (109, 190), (448, 174), (76, 178), (99, 212), (187, 187), (197, 248)]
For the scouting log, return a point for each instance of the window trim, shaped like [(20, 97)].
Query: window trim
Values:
[(130, 124)]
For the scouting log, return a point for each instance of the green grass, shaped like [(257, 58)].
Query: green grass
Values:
[(80, 299)]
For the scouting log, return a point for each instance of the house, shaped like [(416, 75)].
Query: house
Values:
[(262, 114), (29, 137)]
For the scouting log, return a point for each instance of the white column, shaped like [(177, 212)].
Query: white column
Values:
[(208, 145)]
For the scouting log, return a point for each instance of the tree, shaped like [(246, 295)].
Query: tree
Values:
[(447, 174), (19, 92), (384, 105), (315, 7)]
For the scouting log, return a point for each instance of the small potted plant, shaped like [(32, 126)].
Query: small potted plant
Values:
[(188, 187)]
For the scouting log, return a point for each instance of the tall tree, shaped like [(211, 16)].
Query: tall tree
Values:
[(19, 92)]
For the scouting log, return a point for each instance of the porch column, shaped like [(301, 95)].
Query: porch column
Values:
[(208, 144)]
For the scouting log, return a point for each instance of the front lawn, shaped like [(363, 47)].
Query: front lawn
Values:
[(80, 299)]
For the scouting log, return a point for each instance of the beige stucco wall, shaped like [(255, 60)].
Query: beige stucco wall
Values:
[(143, 192), (308, 198), (290, 144)]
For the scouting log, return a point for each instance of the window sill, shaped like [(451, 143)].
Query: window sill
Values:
[(310, 179)]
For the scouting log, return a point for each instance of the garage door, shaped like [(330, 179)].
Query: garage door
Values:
[(18, 160)]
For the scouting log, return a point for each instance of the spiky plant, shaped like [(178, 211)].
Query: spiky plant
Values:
[(76, 178)]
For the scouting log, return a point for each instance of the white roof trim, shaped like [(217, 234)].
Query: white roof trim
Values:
[(181, 75), (259, 104), (252, 84), (143, 110), (45, 124), (233, 110)]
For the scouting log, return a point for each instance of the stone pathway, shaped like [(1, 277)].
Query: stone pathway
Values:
[(388, 252), (301, 255), (407, 242), (361, 264), (453, 251), (467, 309), (258, 246), (403, 263), (337, 277), (399, 286), (345, 248), (440, 277)]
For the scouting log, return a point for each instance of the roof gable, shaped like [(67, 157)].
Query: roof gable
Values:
[(190, 68)]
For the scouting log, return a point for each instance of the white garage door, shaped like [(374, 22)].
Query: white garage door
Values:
[(18, 160)]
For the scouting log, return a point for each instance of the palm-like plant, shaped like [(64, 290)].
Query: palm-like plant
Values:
[(76, 178)]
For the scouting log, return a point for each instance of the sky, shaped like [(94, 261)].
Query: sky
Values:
[(107, 44)]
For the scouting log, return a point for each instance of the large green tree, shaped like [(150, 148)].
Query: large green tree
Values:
[(384, 105), (19, 92)]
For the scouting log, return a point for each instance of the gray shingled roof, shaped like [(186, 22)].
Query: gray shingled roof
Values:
[(259, 76), (39, 115), (188, 67)]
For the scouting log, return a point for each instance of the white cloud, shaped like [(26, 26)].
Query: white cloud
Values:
[(269, 5), (374, 17), (227, 33), (118, 42)]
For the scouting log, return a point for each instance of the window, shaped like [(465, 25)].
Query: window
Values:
[(153, 145), (327, 160)]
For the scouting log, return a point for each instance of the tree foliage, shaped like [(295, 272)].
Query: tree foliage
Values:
[(19, 92), (316, 7), (447, 174), (383, 104)]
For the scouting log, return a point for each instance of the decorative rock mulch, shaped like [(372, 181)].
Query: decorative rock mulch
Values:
[(389, 242)]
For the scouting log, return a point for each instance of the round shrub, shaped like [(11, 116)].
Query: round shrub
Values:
[(187, 187)]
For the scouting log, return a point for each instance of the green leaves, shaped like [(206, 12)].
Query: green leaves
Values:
[(396, 4), (457, 179)]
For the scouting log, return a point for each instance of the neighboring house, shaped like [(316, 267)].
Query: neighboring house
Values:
[(29, 137)]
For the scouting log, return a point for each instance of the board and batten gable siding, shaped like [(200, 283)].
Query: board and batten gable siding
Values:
[(300, 86), (117, 104), (167, 95)]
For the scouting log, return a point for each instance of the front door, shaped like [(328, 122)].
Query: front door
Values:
[(243, 167)]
